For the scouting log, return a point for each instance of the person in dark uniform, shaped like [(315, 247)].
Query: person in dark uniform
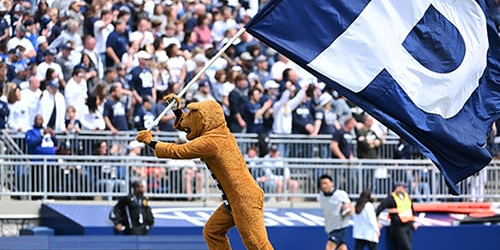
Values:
[(402, 215), (132, 215)]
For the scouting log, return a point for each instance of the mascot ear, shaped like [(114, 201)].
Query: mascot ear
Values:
[(193, 106)]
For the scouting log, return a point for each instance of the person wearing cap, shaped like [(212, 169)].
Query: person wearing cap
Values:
[(53, 107), (115, 112), (337, 209), (20, 39), (277, 172), (142, 81), (204, 92), (402, 215), (132, 214), (41, 48), (137, 169), (48, 62), (326, 121), (64, 61), (22, 74)]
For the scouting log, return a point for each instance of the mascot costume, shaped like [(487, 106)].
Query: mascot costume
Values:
[(212, 142)]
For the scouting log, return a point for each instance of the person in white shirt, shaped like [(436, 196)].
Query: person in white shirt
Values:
[(76, 92), (366, 230), (102, 29), (31, 97), (18, 119), (49, 62), (53, 105), (337, 209), (20, 39)]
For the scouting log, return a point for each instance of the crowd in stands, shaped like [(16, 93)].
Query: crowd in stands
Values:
[(87, 65)]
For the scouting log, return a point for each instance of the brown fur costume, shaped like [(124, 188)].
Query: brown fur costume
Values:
[(213, 143)]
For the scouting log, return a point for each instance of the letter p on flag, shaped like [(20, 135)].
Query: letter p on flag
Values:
[(429, 70)]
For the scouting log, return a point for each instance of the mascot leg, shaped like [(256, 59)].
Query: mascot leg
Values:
[(216, 229), (249, 219)]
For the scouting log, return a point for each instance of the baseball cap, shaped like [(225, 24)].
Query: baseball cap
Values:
[(261, 58), (41, 39), (21, 67), (67, 45), (271, 84), (143, 55), (203, 83), (50, 52), (246, 56), (135, 144), (273, 148), (200, 58), (324, 99)]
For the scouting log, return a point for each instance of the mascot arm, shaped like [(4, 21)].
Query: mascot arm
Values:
[(199, 148)]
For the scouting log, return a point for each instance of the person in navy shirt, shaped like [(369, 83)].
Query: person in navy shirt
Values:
[(115, 111), (141, 80), (116, 45), (145, 115)]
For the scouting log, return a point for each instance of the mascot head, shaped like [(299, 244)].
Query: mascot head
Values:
[(201, 118)]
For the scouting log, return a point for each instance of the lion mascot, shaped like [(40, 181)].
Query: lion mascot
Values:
[(212, 142)]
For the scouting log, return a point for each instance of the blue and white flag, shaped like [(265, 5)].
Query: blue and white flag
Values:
[(427, 69)]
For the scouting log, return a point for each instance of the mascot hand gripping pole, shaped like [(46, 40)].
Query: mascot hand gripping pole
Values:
[(212, 142)]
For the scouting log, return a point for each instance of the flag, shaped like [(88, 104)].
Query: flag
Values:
[(428, 69)]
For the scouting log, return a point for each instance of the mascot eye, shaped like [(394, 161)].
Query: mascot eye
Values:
[(187, 130)]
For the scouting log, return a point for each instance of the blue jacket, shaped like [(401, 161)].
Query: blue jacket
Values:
[(4, 113), (34, 139)]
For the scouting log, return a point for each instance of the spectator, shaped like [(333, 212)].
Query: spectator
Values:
[(277, 172), (342, 109), (220, 26), (366, 230), (115, 113), (142, 81), (116, 44), (137, 170), (18, 119), (102, 29), (303, 123), (72, 145), (22, 72), (326, 122), (204, 91), (94, 67), (261, 71), (53, 27), (53, 107), (41, 49), (337, 209), (48, 62), (202, 30), (93, 120), (341, 147), (4, 113), (145, 114), (283, 108), (177, 65), (40, 140), (367, 146), (402, 216), (31, 96), (74, 13), (221, 89), (69, 34), (132, 214), (20, 39), (65, 62), (143, 35), (236, 98), (110, 177), (254, 111)]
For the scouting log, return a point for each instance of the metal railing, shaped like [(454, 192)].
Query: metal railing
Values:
[(43, 177)]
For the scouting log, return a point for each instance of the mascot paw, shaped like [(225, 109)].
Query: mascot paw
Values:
[(144, 136), (173, 97)]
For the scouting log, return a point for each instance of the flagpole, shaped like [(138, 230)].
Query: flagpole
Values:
[(197, 76)]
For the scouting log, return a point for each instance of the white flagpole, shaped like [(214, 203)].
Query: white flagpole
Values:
[(197, 76)]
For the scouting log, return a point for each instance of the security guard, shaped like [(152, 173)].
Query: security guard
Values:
[(132, 214), (402, 216)]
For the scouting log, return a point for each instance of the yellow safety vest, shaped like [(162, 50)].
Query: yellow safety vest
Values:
[(403, 208)]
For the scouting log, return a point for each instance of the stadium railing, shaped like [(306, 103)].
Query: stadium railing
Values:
[(91, 177)]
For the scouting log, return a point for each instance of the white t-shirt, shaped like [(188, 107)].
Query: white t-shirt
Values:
[(102, 35), (365, 224), (42, 68), (331, 206)]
